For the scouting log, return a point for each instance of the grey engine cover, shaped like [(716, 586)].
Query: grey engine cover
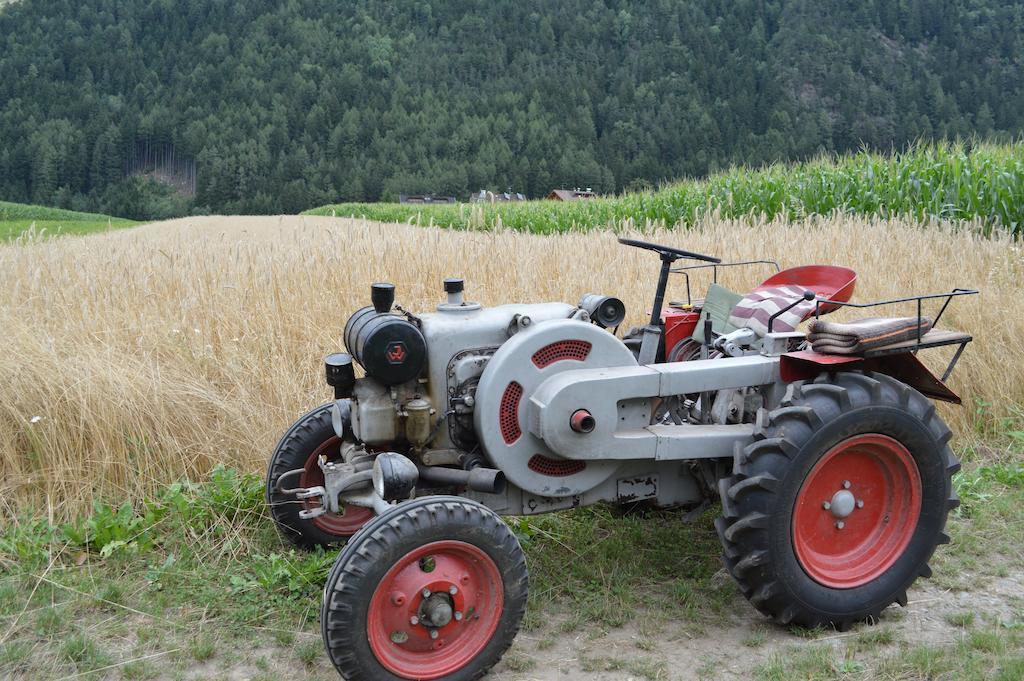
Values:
[(510, 378)]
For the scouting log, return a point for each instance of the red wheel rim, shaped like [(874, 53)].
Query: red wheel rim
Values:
[(407, 649), (340, 525), (857, 511)]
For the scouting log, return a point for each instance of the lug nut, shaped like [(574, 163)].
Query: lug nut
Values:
[(426, 593), (414, 620), (860, 503), (840, 525), (453, 590), (826, 505), (846, 484), (458, 616), (433, 633)]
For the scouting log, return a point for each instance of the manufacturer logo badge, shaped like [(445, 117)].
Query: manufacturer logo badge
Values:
[(396, 352)]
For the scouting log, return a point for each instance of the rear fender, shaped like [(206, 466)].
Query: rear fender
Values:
[(904, 367)]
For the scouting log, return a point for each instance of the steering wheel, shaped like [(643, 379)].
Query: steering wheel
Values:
[(667, 253)]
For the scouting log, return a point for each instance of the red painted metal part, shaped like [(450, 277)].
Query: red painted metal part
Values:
[(577, 350), (679, 325), (884, 476), (555, 468), (827, 281), (904, 367), (581, 421), (407, 650), (508, 413), (354, 517)]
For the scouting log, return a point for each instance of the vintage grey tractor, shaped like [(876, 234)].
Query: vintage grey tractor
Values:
[(825, 451)]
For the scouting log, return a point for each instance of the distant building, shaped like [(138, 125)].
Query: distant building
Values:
[(484, 196), (406, 198), (571, 194)]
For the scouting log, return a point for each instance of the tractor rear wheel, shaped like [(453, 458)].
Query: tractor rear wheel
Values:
[(837, 506), (309, 438), (433, 588)]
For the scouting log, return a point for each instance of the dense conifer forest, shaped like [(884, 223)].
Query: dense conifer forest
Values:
[(150, 108)]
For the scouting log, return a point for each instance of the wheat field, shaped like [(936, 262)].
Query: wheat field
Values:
[(135, 357)]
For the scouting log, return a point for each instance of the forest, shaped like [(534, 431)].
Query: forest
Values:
[(279, 106)]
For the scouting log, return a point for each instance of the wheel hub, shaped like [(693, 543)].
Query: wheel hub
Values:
[(843, 503), (436, 610)]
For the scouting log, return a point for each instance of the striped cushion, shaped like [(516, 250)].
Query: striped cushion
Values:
[(853, 338), (754, 310)]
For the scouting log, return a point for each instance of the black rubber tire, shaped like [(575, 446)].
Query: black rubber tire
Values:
[(372, 551), (310, 431), (758, 499)]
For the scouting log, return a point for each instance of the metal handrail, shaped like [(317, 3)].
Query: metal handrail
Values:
[(928, 296), (714, 271)]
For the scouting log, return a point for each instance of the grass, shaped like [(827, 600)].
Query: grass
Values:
[(995, 653), (206, 580), (945, 181), (205, 570), (570, 557), (18, 219)]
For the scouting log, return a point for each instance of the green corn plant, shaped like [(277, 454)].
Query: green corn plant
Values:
[(942, 181)]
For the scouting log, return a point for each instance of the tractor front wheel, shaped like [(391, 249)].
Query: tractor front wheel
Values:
[(309, 438), (433, 588), (837, 506)]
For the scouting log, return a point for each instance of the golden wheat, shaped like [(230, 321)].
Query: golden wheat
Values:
[(136, 357)]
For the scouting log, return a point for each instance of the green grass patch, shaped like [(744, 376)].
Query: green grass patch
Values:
[(198, 573), (605, 564), (948, 181), (17, 219)]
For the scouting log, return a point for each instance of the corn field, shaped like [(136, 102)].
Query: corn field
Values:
[(945, 181), (137, 356)]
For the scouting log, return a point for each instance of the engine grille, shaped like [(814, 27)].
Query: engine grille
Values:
[(508, 414), (556, 468), (557, 351)]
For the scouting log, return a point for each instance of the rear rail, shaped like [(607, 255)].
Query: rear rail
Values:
[(933, 338), (897, 359)]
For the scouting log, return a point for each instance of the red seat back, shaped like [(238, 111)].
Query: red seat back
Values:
[(827, 281)]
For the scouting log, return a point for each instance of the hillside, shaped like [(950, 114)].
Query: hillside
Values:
[(282, 106)]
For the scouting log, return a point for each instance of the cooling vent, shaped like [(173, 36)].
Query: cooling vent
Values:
[(508, 414), (556, 468), (556, 352)]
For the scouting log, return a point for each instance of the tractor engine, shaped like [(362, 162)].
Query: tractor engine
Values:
[(422, 371), (446, 397)]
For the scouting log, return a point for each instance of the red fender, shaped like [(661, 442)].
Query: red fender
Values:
[(904, 367)]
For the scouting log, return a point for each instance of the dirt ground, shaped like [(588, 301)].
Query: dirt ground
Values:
[(748, 641), (659, 647)]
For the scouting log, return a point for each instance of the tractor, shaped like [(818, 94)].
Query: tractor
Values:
[(824, 449)]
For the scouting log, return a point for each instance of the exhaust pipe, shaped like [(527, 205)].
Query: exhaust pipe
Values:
[(479, 479)]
